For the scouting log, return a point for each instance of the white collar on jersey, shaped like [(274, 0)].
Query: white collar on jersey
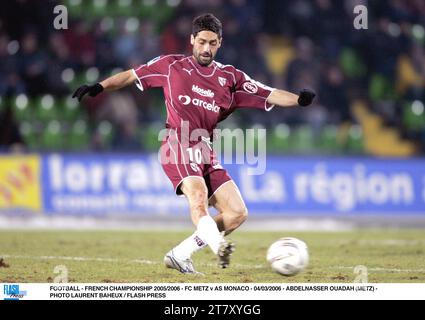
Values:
[(198, 67)]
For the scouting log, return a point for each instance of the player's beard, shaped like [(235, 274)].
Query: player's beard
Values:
[(204, 59)]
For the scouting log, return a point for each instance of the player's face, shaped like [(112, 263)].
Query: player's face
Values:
[(205, 46)]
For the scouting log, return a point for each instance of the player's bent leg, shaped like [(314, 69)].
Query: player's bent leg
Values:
[(179, 258), (231, 207), (195, 190)]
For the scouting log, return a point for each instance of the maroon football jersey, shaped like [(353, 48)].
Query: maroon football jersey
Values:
[(201, 96)]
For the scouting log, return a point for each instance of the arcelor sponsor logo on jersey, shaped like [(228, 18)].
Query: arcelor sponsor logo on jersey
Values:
[(250, 87), (186, 100), (203, 92)]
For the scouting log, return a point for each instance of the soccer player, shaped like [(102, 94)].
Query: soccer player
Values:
[(200, 92)]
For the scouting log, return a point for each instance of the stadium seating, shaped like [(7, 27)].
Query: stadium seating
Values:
[(30, 135), (97, 8), (45, 108), (52, 136), (91, 75), (124, 7), (328, 139), (355, 143), (268, 58), (414, 116), (75, 7), (351, 64), (2, 104), (78, 136), (279, 139), (278, 55), (380, 88), (158, 11), (21, 108), (254, 137), (77, 80), (380, 140), (302, 140), (105, 132), (149, 136), (70, 110)]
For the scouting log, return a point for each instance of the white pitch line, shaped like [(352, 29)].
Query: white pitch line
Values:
[(143, 261), (150, 262), (384, 269), (392, 242), (138, 261), (60, 258)]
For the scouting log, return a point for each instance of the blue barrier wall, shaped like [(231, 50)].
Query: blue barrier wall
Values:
[(336, 186), (102, 184)]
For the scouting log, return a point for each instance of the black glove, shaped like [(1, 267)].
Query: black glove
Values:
[(92, 90), (306, 97)]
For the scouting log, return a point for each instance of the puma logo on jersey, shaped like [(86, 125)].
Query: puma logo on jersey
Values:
[(188, 71)]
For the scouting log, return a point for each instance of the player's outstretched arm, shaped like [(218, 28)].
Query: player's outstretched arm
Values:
[(115, 82), (287, 99)]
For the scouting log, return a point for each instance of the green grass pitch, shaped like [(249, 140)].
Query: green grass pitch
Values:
[(136, 256)]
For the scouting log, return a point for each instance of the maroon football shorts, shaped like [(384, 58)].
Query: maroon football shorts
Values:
[(194, 159)]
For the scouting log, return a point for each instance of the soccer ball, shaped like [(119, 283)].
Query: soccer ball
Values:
[(288, 256)]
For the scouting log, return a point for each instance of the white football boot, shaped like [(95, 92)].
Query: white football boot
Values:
[(183, 266)]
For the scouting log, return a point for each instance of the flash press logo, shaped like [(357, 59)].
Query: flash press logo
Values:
[(12, 292)]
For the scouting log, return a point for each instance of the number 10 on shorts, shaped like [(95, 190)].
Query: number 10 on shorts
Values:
[(195, 156)]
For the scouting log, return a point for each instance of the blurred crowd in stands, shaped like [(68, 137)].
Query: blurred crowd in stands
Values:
[(288, 44)]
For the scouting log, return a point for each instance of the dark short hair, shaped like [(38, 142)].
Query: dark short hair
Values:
[(207, 22)]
